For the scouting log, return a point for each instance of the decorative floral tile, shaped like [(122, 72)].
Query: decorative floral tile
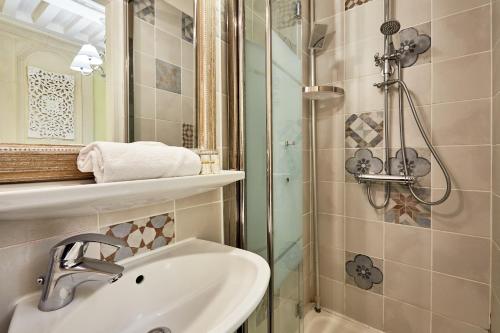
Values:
[(187, 28), (364, 130), (364, 272), (141, 236), (415, 39), (145, 10), (403, 208), (188, 136), (168, 77), (378, 153), (349, 4)]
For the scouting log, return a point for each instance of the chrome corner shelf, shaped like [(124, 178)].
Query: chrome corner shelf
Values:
[(322, 92)]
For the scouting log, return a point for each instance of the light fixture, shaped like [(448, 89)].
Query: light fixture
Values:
[(88, 60)]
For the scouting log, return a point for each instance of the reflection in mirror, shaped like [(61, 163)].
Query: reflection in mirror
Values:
[(53, 73), (163, 72)]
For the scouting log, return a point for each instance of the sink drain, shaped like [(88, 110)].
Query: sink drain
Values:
[(160, 330)]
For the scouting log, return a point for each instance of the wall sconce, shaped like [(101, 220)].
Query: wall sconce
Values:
[(87, 61)]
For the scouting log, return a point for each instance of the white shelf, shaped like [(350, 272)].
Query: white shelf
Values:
[(73, 198)]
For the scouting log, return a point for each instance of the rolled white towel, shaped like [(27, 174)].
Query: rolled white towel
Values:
[(114, 162)]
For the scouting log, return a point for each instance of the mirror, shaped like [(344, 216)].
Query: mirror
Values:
[(162, 85), (53, 77)]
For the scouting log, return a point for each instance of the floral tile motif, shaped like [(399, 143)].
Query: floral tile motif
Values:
[(403, 208), (364, 272), (145, 10), (187, 135), (140, 235), (411, 43), (187, 28), (349, 4), (363, 162), (168, 77), (417, 166), (364, 130)]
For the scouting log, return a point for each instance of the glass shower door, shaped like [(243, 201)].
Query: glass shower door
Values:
[(287, 166)]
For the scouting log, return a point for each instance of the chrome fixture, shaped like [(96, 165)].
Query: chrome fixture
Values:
[(68, 267), (317, 43), (393, 58)]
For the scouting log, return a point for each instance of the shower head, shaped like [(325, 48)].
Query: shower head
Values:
[(390, 27), (318, 34)]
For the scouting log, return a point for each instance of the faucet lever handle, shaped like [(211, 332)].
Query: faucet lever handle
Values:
[(73, 248)]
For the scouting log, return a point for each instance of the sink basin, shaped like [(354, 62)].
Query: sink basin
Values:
[(192, 286)]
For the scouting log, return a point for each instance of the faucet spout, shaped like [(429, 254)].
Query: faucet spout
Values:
[(68, 268)]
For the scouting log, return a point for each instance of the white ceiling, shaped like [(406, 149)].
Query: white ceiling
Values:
[(81, 21)]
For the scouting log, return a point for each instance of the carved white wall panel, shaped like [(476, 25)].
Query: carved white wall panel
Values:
[(51, 99)]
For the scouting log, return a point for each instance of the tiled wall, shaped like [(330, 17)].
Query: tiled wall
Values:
[(495, 244), (163, 58), (24, 245), (435, 261)]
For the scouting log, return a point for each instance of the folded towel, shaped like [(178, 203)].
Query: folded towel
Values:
[(114, 162)]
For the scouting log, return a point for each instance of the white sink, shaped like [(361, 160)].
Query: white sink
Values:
[(192, 286)]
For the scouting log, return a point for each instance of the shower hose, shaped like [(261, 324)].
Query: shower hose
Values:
[(403, 88)]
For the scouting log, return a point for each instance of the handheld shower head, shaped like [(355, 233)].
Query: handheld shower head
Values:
[(390, 27)]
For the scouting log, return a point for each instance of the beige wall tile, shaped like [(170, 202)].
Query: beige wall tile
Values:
[(407, 284), (496, 69), (330, 129), (364, 306), (404, 318), (357, 61), (187, 55), (495, 270), (168, 47), (496, 118), (413, 137), (331, 198), (144, 102), (408, 245), (471, 117), (330, 165), (445, 325), (357, 204), (326, 292), (495, 9), (199, 199), (364, 237), (330, 66), (469, 167), (169, 132), (306, 196), (495, 315), (327, 8), (187, 83), (331, 263), (461, 299), (411, 13), (202, 222), (447, 7), (306, 228), (372, 97), (335, 33), (22, 231), (418, 80), (495, 218), (168, 106), (143, 37), (459, 210), (144, 69), (168, 18), (463, 256), (371, 14), (331, 230), (496, 165), (462, 79), (131, 214), (461, 34), (144, 129)]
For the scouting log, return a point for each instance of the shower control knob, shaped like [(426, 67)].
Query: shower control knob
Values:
[(40, 280)]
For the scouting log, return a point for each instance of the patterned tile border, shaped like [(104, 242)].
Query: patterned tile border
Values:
[(141, 236), (349, 4), (403, 208), (187, 28), (364, 130), (145, 10), (187, 135)]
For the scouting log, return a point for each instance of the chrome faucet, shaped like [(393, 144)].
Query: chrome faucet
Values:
[(68, 267)]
